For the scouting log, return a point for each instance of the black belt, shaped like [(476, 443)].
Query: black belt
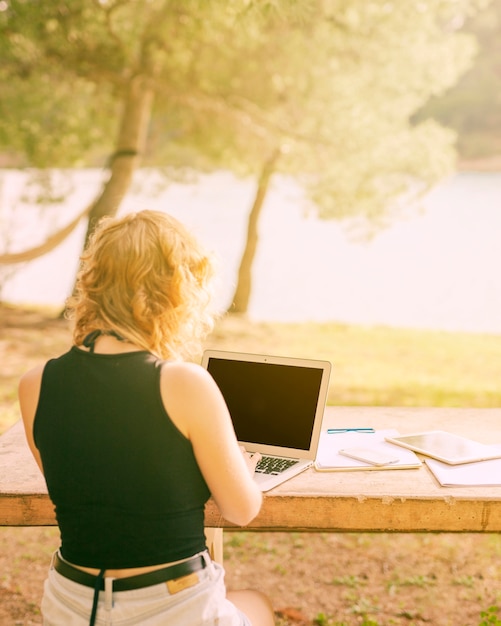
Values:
[(155, 577)]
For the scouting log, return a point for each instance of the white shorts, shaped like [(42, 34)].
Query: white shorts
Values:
[(67, 603)]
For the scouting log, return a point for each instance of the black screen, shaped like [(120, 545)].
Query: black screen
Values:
[(269, 404)]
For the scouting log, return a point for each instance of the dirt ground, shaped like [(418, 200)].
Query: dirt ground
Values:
[(313, 579)]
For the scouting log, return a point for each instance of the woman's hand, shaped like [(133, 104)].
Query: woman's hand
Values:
[(251, 460)]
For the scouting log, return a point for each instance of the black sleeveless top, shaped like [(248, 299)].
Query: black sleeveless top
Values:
[(124, 481)]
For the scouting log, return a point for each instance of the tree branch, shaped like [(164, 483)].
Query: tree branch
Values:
[(49, 244)]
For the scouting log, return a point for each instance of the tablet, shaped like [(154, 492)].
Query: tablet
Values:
[(447, 447)]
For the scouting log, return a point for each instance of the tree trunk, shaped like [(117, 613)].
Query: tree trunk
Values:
[(241, 297), (123, 163), (47, 246), (130, 143)]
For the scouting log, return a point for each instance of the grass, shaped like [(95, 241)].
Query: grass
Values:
[(372, 366), (381, 366), (382, 579)]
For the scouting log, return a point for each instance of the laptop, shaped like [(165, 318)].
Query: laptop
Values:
[(276, 405)]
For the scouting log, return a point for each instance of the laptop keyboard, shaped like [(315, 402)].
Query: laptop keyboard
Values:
[(274, 465)]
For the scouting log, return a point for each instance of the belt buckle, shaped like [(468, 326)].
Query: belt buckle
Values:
[(179, 584)]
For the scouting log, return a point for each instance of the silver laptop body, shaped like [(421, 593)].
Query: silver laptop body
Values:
[(276, 405)]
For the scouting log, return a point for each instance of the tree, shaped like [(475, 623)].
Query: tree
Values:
[(74, 69), (322, 90), (348, 86)]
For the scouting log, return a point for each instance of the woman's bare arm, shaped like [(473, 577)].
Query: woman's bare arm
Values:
[(196, 406), (29, 393)]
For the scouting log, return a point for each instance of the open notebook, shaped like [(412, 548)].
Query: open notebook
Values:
[(276, 405), (329, 458)]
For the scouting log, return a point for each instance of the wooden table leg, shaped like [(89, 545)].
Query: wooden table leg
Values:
[(214, 537)]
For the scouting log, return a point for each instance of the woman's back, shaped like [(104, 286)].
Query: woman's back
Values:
[(110, 452)]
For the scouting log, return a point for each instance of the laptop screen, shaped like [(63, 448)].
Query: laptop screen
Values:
[(269, 403)]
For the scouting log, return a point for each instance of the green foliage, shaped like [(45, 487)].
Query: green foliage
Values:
[(61, 113), (348, 581), (383, 66), (415, 581), (490, 617), (471, 107), (332, 84), (321, 620)]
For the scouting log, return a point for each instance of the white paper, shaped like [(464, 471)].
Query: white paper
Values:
[(328, 457), (479, 474)]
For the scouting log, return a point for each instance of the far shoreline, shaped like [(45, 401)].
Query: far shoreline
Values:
[(490, 164)]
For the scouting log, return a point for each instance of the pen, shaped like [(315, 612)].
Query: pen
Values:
[(334, 431)]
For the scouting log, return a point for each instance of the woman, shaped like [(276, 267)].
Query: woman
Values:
[(133, 441)]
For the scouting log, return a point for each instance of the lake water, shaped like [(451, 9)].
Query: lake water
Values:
[(437, 269)]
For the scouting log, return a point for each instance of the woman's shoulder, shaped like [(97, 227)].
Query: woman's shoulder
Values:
[(188, 391), (186, 374), (32, 376)]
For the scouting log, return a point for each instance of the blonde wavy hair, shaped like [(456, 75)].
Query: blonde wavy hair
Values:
[(145, 277)]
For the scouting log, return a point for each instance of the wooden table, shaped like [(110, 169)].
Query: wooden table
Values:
[(397, 500)]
